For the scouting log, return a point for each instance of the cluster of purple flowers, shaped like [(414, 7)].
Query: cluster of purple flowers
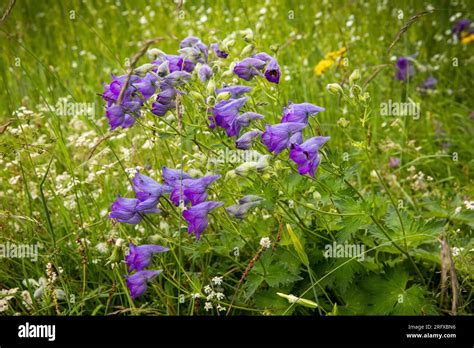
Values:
[(165, 74), (288, 134), (138, 258), (405, 70), (250, 67), (180, 186), (226, 114)]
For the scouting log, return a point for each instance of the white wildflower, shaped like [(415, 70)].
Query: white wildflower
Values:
[(208, 306), (217, 280), (265, 242)]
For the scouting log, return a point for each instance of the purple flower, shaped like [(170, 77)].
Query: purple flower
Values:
[(240, 210), (394, 162), (235, 91), (429, 83), (272, 71), (205, 73), (225, 113), (196, 216), (262, 56), (147, 85), (195, 42), (176, 63), (299, 112), (245, 204), (112, 91), (220, 53), (123, 115), (245, 141), (125, 210), (192, 190), (171, 176), (139, 257), (248, 68), (278, 137), (461, 26), (404, 69), (306, 155), (147, 191), (137, 282), (250, 198), (165, 101), (175, 79)]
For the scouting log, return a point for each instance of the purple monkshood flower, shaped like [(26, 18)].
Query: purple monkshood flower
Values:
[(175, 79), (250, 198), (272, 71), (300, 112), (278, 137), (192, 190), (112, 91), (172, 176), (165, 101), (176, 63), (205, 73), (394, 162), (226, 111), (240, 210), (125, 210), (139, 257), (461, 26), (429, 83), (235, 91), (196, 43), (220, 53), (404, 69), (147, 85), (262, 56), (306, 155), (248, 68), (137, 282), (123, 115), (245, 203), (196, 216), (245, 141), (147, 191)]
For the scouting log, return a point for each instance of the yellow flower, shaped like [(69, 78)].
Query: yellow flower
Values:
[(467, 37), (328, 61)]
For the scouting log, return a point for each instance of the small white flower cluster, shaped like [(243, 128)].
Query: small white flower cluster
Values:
[(456, 251), (265, 242), (6, 295), (214, 293)]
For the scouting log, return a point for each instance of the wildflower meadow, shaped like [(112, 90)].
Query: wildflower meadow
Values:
[(230, 158)]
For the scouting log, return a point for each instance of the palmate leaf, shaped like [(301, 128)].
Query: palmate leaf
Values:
[(389, 294), (417, 232), (341, 273), (273, 271)]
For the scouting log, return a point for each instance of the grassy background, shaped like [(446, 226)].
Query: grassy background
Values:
[(59, 174)]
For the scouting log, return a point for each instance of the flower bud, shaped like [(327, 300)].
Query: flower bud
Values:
[(143, 69), (247, 34), (247, 51), (155, 53), (163, 69), (245, 168), (211, 87), (355, 76), (334, 88), (356, 91), (223, 96)]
